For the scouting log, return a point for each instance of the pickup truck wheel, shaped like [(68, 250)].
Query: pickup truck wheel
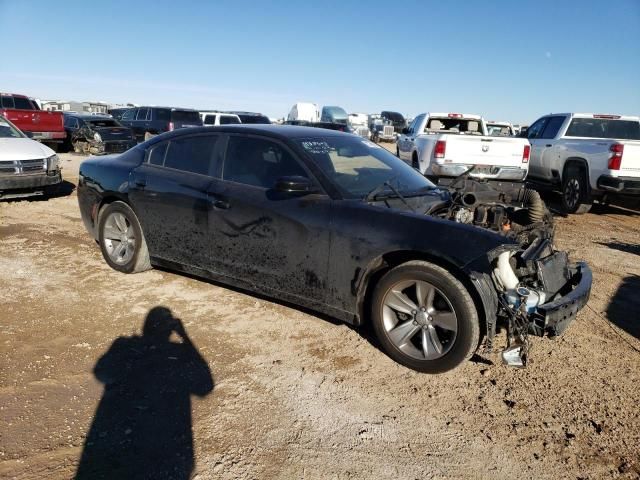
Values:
[(121, 239), (575, 195), (425, 318)]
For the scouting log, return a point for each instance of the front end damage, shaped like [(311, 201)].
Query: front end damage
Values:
[(526, 285), (539, 293)]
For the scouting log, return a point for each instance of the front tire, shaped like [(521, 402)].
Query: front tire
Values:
[(575, 194), (121, 239), (425, 318)]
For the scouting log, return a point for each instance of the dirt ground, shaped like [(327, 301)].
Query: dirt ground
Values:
[(268, 391)]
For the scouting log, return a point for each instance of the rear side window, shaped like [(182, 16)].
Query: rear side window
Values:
[(604, 128), (162, 114), (261, 119), (142, 114), (22, 103), (228, 120), (210, 120), (258, 162), (552, 127), (191, 154), (182, 116)]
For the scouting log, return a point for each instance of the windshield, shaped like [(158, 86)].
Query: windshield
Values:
[(103, 123), (357, 166), (604, 128), (7, 130), (394, 116), (465, 126)]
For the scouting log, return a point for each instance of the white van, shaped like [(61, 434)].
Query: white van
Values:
[(219, 118)]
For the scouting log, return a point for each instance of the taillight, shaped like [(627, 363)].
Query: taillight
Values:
[(440, 148), (617, 149), (171, 126), (525, 153)]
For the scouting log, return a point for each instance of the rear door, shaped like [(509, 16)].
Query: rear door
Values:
[(169, 192), (267, 238)]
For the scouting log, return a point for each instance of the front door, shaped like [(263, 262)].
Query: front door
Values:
[(275, 241)]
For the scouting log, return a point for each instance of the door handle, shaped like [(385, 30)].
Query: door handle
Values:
[(548, 145), (140, 182), (221, 204)]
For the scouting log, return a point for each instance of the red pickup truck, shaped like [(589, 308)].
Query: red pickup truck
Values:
[(24, 113)]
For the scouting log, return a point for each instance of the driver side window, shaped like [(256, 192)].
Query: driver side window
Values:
[(258, 162), (535, 130)]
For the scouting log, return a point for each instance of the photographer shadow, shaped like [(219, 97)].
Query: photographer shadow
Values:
[(142, 427)]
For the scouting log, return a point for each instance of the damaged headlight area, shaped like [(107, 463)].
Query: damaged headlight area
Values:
[(52, 163), (539, 293)]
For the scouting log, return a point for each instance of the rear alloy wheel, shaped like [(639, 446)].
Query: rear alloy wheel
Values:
[(575, 197), (121, 240), (425, 318)]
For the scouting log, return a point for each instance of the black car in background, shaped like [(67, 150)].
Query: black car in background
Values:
[(396, 119), (252, 118), (118, 112), (333, 223), (96, 134), (147, 122)]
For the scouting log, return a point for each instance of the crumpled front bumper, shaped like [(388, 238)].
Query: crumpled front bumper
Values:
[(554, 317)]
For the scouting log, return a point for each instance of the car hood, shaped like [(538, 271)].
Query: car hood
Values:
[(23, 149)]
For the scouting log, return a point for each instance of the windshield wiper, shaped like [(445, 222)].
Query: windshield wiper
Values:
[(371, 196)]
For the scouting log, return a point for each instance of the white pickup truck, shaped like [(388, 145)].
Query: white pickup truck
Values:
[(445, 145), (586, 157)]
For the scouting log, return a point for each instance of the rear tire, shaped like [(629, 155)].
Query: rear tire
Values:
[(575, 191), (425, 318), (121, 239)]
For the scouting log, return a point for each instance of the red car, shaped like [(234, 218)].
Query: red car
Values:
[(24, 113)]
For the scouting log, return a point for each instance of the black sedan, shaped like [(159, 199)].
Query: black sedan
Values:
[(334, 223), (97, 134)]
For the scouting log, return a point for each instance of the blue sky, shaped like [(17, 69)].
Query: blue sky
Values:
[(507, 60)]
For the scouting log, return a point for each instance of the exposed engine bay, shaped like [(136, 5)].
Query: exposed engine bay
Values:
[(538, 291)]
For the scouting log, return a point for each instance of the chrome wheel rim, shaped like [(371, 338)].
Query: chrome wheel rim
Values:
[(572, 192), (419, 319), (119, 238)]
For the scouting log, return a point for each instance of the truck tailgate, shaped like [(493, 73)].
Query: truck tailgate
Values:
[(35, 120), (630, 166), (491, 151)]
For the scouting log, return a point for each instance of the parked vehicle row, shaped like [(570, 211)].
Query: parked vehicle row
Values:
[(283, 211)]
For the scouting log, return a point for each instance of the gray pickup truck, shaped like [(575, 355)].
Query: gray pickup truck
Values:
[(586, 156)]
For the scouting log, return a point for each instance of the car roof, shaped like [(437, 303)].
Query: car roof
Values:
[(284, 132), (168, 108)]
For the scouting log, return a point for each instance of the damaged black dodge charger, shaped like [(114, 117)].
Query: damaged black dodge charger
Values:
[(332, 222)]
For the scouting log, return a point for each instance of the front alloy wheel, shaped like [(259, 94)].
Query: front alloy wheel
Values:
[(121, 239), (424, 317)]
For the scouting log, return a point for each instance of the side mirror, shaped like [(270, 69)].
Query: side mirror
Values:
[(405, 131), (295, 184)]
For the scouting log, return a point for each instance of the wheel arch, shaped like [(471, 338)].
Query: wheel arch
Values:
[(379, 266), (576, 161)]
